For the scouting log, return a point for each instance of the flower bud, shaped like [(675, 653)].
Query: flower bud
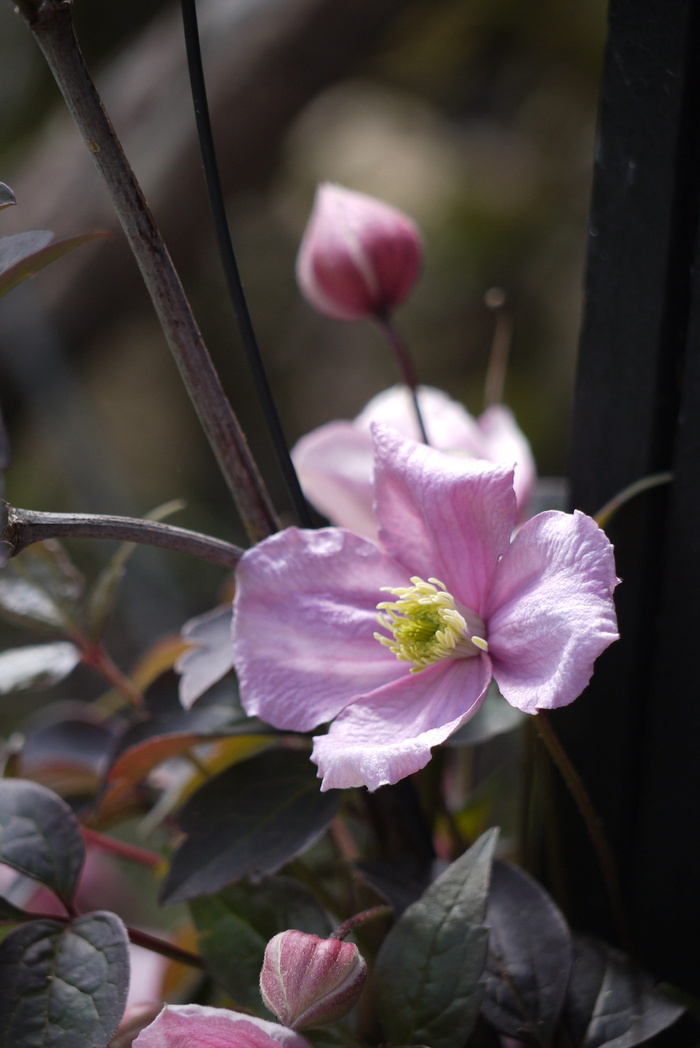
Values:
[(306, 981), (359, 257)]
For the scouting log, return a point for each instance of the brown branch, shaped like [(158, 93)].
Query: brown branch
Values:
[(25, 527), (51, 24)]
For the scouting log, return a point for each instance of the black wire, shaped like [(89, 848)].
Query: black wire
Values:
[(230, 266)]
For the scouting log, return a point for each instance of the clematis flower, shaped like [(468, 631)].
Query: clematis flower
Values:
[(307, 981), (197, 1026), (335, 461), (358, 257), (397, 645)]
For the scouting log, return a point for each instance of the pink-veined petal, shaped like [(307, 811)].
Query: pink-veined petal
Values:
[(199, 1026), (388, 734), (504, 441), (443, 516), (551, 611), (304, 623), (334, 464), (449, 425)]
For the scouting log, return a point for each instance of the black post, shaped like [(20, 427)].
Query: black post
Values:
[(635, 734)]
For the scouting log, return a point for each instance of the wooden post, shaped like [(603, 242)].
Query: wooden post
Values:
[(635, 734)]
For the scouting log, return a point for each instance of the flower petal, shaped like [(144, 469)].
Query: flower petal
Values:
[(334, 464), (551, 611), (387, 734), (304, 623), (211, 658), (199, 1026), (449, 425), (502, 440), (441, 516)]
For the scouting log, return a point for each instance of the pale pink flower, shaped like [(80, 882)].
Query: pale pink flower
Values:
[(460, 600), (197, 1026), (335, 461), (307, 981), (358, 257)]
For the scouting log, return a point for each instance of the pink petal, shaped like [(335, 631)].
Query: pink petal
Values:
[(388, 734), (197, 1026), (441, 516), (502, 440), (211, 658), (551, 611), (334, 464), (450, 427), (304, 624)]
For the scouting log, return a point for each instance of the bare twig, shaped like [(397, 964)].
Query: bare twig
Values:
[(25, 526), (52, 27)]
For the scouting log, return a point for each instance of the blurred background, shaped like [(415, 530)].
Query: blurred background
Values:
[(477, 117)]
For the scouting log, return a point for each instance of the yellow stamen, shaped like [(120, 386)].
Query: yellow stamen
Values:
[(426, 625)]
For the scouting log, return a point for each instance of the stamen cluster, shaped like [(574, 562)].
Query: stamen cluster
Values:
[(426, 625)]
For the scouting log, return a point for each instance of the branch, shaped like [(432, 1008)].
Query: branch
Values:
[(25, 526), (52, 27)]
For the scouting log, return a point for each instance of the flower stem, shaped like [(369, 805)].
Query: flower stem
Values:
[(592, 823), (96, 656), (348, 926), (25, 526), (494, 383), (125, 851), (51, 24), (406, 368), (230, 265)]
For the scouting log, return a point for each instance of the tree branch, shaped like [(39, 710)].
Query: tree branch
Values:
[(24, 527), (51, 24)]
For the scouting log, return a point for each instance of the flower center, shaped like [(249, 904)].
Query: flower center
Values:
[(427, 625)]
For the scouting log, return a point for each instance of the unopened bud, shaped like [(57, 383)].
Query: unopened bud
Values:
[(307, 981), (359, 257)]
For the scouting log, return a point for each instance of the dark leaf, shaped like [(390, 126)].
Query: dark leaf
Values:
[(427, 974), (250, 820), (236, 925), (22, 254), (611, 1003), (7, 197), (67, 747), (494, 717), (36, 665), (40, 836), (529, 959), (8, 912), (41, 587), (63, 986)]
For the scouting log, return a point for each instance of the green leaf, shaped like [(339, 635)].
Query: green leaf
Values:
[(236, 925), (22, 254), (41, 588), (426, 980), (250, 820), (40, 836), (7, 197), (105, 591), (36, 665), (610, 1002), (63, 986), (529, 959)]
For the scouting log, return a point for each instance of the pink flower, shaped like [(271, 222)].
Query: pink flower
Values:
[(359, 257), (308, 981), (196, 1026), (335, 461), (397, 645)]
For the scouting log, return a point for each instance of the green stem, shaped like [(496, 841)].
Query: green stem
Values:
[(51, 24), (592, 823)]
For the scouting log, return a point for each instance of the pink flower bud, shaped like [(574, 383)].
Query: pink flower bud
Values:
[(306, 981), (358, 257)]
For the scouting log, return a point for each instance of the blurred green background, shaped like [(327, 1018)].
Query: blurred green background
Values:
[(475, 116)]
